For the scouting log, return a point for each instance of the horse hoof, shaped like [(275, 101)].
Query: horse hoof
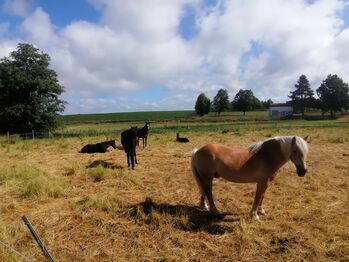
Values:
[(261, 212), (254, 215)]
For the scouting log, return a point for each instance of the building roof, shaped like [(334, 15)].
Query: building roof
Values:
[(280, 104)]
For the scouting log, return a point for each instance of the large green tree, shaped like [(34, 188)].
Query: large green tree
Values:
[(220, 101), (333, 95), (29, 91), (202, 105), (245, 100), (302, 97)]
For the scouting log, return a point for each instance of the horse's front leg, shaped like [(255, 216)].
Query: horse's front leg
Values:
[(260, 209), (261, 188), (128, 159)]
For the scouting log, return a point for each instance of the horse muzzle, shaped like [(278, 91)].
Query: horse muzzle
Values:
[(301, 171)]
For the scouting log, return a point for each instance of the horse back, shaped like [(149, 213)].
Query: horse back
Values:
[(222, 161), (234, 157)]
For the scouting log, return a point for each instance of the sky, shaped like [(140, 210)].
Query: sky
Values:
[(154, 55)]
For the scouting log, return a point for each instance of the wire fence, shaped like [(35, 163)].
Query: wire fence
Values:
[(61, 134), (86, 133)]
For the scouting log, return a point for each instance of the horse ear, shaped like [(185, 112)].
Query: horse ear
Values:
[(293, 140), (306, 138)]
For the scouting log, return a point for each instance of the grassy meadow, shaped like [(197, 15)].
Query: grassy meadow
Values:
[(91, 207)]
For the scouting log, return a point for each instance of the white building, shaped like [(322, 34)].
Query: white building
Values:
[(280, 110)]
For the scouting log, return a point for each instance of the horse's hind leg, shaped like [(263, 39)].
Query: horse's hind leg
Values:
[(208, 192), (206, 199), (132, 160)]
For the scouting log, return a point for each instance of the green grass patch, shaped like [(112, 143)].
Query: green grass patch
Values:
[(99, 202), (29, 182), (126, 117)]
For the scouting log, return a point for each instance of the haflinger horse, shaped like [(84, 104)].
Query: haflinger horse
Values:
[(258, 163)]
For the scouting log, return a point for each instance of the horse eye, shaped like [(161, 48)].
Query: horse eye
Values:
[(294, 151)]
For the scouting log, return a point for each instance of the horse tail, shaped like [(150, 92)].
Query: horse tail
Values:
[(194, 171)]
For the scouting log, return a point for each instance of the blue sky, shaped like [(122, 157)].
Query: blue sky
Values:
[(144, 55)]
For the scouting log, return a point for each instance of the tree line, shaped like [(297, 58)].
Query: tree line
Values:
[(29, 94), (332, 96)]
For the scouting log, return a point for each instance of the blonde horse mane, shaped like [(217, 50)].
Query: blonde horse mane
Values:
[(285, 144)]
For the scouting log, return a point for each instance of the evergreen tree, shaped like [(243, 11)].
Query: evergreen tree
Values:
[(202, 105), (301, 98), (333, 94), (29, 91), (220, 101)]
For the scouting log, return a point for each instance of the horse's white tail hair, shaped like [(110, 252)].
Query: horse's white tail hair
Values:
[(195, 172)]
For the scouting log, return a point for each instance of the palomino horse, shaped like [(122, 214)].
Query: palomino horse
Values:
[(256, 164)]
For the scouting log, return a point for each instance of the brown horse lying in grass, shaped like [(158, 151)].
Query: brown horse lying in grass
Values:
[(257, 164)]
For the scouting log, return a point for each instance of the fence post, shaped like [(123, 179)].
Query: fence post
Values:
[(8, 137), (37, 239), (33, 134)]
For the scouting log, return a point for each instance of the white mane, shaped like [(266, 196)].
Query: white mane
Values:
[(285, 143)]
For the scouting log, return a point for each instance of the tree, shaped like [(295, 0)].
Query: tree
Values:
[(267, 104), (302, 96), (202, 105), (220, 101), (245, 101), (333, 94), (29, 91)]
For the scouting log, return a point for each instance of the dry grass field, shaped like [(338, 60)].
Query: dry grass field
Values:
[(93, 208)]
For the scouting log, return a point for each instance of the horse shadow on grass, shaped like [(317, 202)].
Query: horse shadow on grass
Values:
[(104, 164), (197, 220)]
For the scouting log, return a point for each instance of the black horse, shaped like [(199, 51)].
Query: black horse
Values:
[(129, 142), (182, 139), (99, 147), (143, 133)]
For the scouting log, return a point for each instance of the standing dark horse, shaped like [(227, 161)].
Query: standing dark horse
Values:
[(256, 164), (128, 141), (98, 148), (143, 133)]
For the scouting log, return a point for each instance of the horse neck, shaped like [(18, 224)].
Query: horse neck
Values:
[(274, 153)]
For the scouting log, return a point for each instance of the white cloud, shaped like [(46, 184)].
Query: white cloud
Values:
[(128, 104), (17, 7), (264, 46), (6, 46), (38, 28)]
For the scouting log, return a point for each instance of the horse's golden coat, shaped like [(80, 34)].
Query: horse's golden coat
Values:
[(258, 165)]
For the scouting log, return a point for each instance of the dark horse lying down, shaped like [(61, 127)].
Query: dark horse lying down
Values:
[(98, 148), (129, 142)]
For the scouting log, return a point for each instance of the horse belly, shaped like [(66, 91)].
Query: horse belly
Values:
[(237, 177), (234, 170)]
